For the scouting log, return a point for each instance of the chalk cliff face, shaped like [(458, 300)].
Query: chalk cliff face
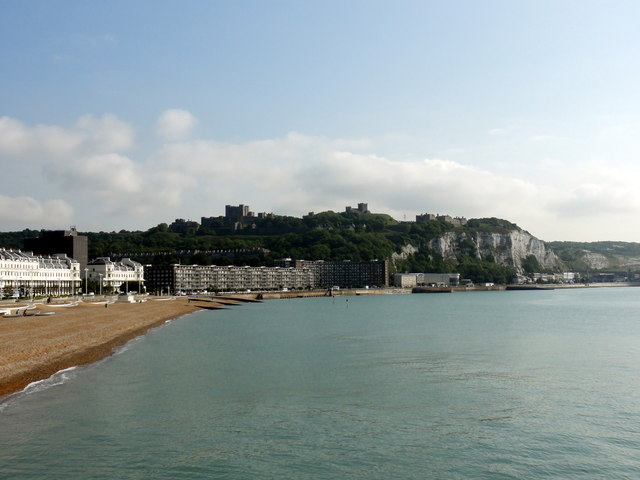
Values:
[(595, 260), (507, 249), (404, 253)]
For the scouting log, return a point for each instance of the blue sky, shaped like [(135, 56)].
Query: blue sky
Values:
[(126, 114)]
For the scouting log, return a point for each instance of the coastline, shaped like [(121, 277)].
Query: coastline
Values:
[(36, 347)]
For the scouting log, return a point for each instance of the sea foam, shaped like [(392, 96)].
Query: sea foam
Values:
[(58, 378)]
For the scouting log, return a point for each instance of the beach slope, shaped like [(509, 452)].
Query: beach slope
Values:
[(33, 348)]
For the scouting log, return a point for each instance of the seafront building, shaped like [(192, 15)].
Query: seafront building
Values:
[(287, 274), (110, 275), (53, 242), (199, 278), (409, 280), (347, 273), (26, 274)]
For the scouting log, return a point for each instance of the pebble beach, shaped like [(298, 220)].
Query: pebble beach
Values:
[(34, 347)]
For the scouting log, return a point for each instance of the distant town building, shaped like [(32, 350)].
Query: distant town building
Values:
[(457, 221), (235, 214), (187, 254), (547, 277), (181, 225), (425, 217), (52, 242), (362, 208), (607, 277), (29, 274), (439, 279), (285, 263), (235, 217), (405, 280), (408, 280), (212, 222), (111, 275)]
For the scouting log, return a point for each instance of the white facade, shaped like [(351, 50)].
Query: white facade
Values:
[(408, 280), (31, 274), (111, 275), (405, 280)]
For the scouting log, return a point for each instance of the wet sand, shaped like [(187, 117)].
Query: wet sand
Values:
[(33, 348)]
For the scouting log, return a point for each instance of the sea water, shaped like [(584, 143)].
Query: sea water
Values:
[(482, 385)]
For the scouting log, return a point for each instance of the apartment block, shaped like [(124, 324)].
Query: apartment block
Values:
[(348, 274), (197, 278), (52, 242)]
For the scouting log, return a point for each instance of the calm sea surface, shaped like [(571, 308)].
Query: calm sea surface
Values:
[(487, 385)]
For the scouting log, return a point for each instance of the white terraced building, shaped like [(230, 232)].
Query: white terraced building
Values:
[(27, 274), (111, 275)]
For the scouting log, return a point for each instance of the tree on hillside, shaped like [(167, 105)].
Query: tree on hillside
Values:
[(530, 264)]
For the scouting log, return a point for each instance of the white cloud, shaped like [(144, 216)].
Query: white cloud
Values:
[(81, 161), (26, 211), (297, 173), (88, 135), (118, 186), (103, 173), (175, 124), (543, 138), (105, 134), (85, 166)]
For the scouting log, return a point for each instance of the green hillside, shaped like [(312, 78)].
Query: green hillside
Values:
[(323, 236), (618, 255)]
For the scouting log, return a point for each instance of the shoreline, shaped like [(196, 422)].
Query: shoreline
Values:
[(36, 347)]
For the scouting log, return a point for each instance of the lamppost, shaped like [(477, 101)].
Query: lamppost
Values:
[(100, 283), (86, 284)]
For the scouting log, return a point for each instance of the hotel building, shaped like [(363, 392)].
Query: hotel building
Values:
[(111, 275), (28, 275)]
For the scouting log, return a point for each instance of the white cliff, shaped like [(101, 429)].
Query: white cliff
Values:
[(595, 260), (508, 249), (404, 253)]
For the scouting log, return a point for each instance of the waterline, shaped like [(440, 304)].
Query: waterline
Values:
[(477, 385)]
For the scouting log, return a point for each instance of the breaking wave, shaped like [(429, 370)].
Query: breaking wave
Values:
[(57, 378)]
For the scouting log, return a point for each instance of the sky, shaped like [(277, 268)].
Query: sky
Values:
[(126, 114)]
